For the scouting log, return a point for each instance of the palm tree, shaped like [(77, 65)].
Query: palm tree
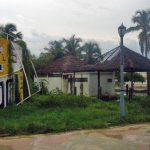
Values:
[(55, 48), (9, 31), (72, 45), (92, 52), (142, 21)]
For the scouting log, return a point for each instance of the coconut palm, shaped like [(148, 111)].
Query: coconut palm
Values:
[(55, 48), (92, 52), (72, 45), (9, 31), (142, 21)]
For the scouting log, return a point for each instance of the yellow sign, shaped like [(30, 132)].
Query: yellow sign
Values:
[(4, 57)]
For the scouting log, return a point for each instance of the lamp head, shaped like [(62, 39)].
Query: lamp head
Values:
[(122, 30)]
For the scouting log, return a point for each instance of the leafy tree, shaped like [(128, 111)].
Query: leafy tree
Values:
[(137, 77), (92, 52), (142, 21), (43, 60), (72, 45), (11, 30)]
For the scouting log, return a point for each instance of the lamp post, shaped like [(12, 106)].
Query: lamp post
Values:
[(122, 31)]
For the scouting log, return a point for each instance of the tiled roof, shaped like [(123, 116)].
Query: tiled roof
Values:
[(68, 63)]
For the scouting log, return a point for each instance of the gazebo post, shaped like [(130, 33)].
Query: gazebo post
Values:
[(74, 91), (71, 84), (132, 80), (99, 93), (132, 87)]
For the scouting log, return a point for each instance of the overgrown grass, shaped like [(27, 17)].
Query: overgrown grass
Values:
[(62, 112)]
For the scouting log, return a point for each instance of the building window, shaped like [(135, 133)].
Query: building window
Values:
[(1, 67), (109, 80)]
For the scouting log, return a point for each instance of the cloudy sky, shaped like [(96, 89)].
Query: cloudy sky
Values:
[(43, 20)]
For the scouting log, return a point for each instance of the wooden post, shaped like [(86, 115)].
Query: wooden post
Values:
[(71, 84), (132, 85), (132, 80), (74, 90), (98, 78)]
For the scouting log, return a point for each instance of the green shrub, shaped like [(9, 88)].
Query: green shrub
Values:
[(62, 100)]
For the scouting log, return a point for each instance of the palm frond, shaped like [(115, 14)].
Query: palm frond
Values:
[(19, 35), (132, 29)]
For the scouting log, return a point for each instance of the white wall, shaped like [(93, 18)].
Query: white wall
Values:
[(53, 83), (93, 84), (90, 88), (107, 87)]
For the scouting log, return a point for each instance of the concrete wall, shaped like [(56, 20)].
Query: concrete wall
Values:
[(53, 83), (91, 87), (93, 84), (88, 87), (107, 86)]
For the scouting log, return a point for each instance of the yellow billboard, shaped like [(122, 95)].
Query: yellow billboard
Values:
[(4, 57)]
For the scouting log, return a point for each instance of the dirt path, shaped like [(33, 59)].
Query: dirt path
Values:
[(132, 137)]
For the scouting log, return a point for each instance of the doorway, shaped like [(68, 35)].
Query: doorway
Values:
[(1, 94)]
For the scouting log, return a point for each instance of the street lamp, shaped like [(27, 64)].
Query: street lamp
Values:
[(122, 31)]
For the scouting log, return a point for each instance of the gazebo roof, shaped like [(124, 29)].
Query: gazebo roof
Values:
[(68, 63), (133, 62)]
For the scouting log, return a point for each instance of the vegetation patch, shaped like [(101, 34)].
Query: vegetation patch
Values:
[(58, 112)]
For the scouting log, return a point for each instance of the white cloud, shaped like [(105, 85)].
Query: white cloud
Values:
[(89, 19)]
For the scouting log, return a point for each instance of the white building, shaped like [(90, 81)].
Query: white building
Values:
[(64, 74)]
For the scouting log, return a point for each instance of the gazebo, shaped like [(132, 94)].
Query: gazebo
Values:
[(133, 62)]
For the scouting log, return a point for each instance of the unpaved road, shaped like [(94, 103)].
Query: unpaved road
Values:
[(132, 137)]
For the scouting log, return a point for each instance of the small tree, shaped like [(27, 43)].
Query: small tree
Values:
[(136, 77)]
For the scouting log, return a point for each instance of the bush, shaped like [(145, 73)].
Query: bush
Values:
[(62, 100), (143, 101)]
